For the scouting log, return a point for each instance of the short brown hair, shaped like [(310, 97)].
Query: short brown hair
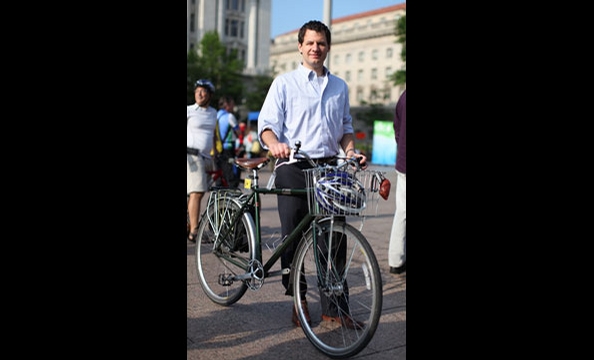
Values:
[(225, 99), (316, 26)]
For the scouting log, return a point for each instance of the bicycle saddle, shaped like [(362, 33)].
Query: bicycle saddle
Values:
[(248, 163)]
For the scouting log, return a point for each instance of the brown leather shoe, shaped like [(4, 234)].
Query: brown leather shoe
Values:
[(349, 322), (305, 312)]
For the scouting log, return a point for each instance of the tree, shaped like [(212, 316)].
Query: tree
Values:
[(256, 93), (212, 61), (399, 77)]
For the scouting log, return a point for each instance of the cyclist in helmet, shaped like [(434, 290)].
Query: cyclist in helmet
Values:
[(201, 124)]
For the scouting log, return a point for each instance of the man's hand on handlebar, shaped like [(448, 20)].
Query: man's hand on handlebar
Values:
[(362, 159), (280, 150)]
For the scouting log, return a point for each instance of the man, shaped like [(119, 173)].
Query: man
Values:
[(229, 131), (310, 105), (201, 124)]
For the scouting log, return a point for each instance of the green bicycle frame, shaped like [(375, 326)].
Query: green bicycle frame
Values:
[(254, 198)]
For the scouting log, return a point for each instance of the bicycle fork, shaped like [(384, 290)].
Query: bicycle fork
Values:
[(330, 282)]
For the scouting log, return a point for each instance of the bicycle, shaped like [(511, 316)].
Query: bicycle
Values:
[(216, 179), (229, 255)]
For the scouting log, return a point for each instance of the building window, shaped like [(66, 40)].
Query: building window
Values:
[(348, 59), (374, 74), (192, 22), (374, 54), (388, 93), (388, 71), (360, 75), (360, 94), (361, 56), (347, 76), (372, 95), (237, 5), (234, 32), (389, 52)]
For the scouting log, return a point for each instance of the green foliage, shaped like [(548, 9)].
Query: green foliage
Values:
[(373, 112), (212, 61), (401, 32), (258, 88), (399, 77)]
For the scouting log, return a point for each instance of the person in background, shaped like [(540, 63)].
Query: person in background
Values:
[(201, 124), (311, 105), (239, 145), (397, 246), (229, 132)]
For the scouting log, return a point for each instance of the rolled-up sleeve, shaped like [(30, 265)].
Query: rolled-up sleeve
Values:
[(272, 113)]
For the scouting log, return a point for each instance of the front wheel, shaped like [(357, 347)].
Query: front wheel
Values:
[(343, 291)]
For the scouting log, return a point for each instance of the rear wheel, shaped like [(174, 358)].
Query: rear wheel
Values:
[(224, 249)]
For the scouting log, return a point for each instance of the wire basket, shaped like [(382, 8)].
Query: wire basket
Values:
[(339, 192)]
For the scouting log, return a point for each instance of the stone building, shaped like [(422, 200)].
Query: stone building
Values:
[(241, 24)]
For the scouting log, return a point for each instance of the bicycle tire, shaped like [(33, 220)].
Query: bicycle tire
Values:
[(357, 290), (218, 257)]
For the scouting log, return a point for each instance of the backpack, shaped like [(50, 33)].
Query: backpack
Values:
[(218, 142), (228, 140)]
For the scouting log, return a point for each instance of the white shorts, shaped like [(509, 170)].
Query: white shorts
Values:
[(197, 178)]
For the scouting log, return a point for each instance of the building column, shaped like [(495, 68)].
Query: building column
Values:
[(189, 13), (328, 22), (252, 35), (221, 19)]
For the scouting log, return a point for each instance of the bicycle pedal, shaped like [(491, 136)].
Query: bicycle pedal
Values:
[(224, 280)]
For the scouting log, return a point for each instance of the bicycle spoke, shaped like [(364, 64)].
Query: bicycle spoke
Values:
[(218, 258), (344, 298)]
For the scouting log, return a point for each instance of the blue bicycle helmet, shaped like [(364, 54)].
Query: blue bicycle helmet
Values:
[(205, 83), (340, 193)]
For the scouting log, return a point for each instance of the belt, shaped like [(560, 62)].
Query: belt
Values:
[(325, 161), (331, 160), (193, 151)]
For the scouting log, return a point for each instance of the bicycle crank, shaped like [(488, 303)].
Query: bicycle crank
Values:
[(256, 272)]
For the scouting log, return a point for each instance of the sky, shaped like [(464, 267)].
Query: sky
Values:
[(289, 15)]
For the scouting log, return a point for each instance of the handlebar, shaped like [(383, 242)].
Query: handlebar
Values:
[(297, 154)]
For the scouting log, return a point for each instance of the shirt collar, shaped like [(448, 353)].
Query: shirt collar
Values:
[(198, 107), (310, 74)]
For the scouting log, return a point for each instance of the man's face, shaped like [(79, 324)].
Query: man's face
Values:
[(229, 105), (202, 96), (314, 49)]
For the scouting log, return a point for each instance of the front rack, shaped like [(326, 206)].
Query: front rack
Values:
[(342, 191)]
